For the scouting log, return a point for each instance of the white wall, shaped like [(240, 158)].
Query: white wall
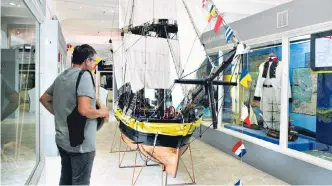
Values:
[(49, 71), (4, 36)]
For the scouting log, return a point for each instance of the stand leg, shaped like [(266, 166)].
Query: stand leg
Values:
[(192, 177), (134, 180), (113, 141), (120, 159)]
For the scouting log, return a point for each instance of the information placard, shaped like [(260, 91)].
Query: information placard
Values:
[(323, 56), (321, 52)]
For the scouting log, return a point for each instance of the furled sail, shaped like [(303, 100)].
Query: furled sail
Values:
[(142, 11), (146, 63), (119, 62)]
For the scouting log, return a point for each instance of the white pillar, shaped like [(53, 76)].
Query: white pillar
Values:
[(284, 94), (49, 48)]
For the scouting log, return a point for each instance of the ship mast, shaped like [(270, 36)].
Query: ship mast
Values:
[(198, 34)]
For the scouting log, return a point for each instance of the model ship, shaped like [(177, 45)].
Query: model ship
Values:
[(149, 122)]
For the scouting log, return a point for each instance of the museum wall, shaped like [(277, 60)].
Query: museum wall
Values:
[(298, 17)]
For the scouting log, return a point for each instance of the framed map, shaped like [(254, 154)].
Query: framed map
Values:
[(304, 91)]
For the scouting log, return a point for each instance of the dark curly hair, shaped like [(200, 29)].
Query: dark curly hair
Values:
[(81, 53)]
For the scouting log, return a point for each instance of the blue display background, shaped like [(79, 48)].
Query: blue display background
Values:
[(324, 109)]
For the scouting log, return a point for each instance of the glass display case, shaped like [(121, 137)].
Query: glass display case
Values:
[(19, 125)]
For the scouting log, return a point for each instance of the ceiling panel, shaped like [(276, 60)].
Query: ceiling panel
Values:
[(101, 17)]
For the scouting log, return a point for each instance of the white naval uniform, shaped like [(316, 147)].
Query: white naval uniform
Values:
[(268, 93)]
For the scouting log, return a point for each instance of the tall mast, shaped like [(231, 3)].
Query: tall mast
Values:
[(198, 34), (132, 14), (176, 63)]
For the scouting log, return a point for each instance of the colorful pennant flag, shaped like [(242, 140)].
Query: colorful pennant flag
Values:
[(239, 149), (228, 34), (245, 78), (204, 3), (212, 12), (238, 183), (245, 115), (218, 24), (209, 17)]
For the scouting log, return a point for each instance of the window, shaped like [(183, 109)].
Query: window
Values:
[(310, 112), (18, 93)]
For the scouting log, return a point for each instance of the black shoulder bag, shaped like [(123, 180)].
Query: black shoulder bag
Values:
[(76, 122)]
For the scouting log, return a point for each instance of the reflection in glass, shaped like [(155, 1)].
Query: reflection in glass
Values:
[(18, 94), (260, 101), (310, 111)]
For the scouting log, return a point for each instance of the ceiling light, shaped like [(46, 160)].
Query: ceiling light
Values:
[(11, 3), (102, 20), (80, 7), (19, 5)]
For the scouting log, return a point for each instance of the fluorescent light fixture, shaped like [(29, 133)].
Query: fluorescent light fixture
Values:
[(11, 3)]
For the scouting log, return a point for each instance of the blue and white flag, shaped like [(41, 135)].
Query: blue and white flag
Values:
[(238, 183), (228, 34)]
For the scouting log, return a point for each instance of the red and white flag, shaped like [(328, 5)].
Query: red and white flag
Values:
[(245, 115), (218, 24)]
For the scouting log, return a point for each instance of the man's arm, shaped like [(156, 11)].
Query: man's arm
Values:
[(46, 101), (86, 92), (85, 109), (102, 106)]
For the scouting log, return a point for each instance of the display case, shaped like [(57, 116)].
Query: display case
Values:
[(21, 152), (292, 122)]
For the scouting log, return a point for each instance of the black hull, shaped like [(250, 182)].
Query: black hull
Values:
[(148, 139)]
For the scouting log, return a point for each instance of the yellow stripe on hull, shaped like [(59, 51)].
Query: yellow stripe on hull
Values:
[(170, 129)]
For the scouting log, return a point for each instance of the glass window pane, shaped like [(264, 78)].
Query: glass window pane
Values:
[(254, 109), (310, 111), (18, 93)]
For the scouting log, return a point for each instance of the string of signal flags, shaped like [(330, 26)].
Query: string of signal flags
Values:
[(229, 33), (214, 13)]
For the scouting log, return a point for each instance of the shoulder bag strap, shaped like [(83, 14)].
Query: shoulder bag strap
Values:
[(78, 82), (79, 79)]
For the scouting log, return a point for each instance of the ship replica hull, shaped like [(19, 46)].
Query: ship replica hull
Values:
[(164, 142)]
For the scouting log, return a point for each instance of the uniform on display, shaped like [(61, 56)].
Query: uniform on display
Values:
[(268, 93)]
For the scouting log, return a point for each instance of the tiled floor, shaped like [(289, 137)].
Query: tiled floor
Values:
[(212, 167)]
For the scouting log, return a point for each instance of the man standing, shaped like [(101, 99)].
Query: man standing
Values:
[(60, 100)]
